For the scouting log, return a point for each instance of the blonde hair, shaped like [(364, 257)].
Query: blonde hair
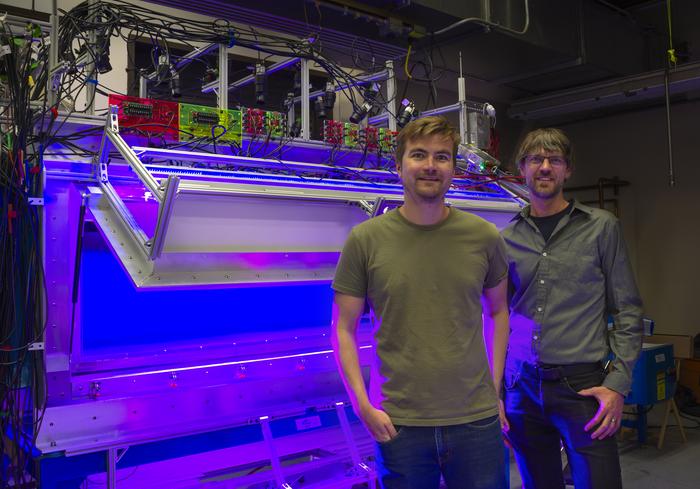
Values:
[(549, 139), (424, 127)]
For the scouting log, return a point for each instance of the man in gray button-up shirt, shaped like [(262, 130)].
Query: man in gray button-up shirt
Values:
[(569, 273)]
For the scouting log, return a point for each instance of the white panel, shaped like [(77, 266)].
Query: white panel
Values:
[(225, 223)]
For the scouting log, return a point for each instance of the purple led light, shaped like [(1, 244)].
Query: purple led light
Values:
[(300, 154), (223, 364)]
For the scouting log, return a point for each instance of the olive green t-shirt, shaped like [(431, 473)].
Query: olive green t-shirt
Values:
[(425, 284)]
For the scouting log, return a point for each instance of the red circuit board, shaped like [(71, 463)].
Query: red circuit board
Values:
[(333, 132), (254, 121), (148, 116), (371, 138)]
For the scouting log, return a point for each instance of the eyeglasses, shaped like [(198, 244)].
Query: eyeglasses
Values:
[(537, 160)]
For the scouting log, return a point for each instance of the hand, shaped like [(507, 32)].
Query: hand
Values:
[(378, 424), (609, 415), (505, 425)]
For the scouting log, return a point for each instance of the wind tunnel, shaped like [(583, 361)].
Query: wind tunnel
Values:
[(188, 299)]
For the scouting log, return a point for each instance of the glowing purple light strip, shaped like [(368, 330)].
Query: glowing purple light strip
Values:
[(176, 154), (223, 364)]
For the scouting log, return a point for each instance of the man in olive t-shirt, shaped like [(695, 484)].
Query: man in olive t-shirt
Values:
[(426, 270)]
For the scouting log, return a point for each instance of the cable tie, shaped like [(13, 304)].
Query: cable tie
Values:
[(91, 80), (11, 214), (672, 56)]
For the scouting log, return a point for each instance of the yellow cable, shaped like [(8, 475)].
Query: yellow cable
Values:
[(405, 65), (671, 52)]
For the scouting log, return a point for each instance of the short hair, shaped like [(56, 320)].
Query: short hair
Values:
[(549, 139), (425, 127)]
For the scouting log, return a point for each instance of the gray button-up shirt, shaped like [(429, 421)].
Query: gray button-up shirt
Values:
[(562, 292)]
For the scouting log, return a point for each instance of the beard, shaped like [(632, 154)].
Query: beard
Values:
[(428, 193), (545, 191)]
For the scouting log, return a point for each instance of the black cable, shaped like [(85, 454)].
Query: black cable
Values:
[(118, 17), (22, 280)]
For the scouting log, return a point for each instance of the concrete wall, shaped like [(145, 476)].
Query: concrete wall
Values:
[(661, 223)]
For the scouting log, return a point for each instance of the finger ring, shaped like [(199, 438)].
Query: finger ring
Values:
[(613, 420)]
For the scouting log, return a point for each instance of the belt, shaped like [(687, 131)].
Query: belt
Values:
[(558, 372)]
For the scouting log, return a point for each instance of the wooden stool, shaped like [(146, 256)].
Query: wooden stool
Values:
[(670, 405)]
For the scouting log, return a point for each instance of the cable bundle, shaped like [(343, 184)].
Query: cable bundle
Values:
[(22, 295), (129, 21)]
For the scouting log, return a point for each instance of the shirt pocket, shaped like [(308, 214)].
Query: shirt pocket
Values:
[(580, 266)]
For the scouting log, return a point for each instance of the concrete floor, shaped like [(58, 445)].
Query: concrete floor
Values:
[(675, 466)]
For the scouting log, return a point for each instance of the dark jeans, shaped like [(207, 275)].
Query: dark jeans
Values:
[(468, 456), (544, 413)]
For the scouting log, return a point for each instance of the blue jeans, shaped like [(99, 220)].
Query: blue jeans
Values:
[(543, 414), (468, 456)]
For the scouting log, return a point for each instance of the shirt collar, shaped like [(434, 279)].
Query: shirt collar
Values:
[(577, 207)]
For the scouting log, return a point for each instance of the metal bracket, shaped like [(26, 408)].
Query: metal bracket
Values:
[(391, 95), (56, 80), (215, 85), (113, 458), (372, 209), (164, 194), (365, 206), (222, 95), (358, 466), (57, 71), (102, 156), (39, 201), (132, 226), (111, 133), (345, 425), (113, 119), (274, 458), (165, 211), (112, 468), (37, 346), (377, 205), (360, 80), (305, 102), (143, 86)]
